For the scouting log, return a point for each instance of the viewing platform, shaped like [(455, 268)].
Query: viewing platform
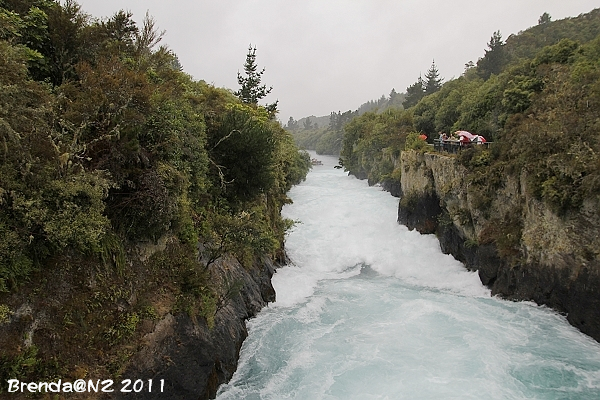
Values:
[(454, 146)]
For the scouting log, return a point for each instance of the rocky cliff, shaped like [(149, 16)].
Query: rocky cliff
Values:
[(158, 321), (521, 248), (193, 358)]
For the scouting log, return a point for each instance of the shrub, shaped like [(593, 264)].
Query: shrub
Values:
[(414, 142)]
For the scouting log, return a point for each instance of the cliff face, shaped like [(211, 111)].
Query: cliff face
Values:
[(192, 358), (157, 321), (520, 247)]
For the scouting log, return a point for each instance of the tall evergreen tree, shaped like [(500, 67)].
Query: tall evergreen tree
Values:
[(433, 82), (414, 93), (494, 58), (251, 90)]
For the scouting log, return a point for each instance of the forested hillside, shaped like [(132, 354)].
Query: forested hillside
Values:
[(535, 96), (108, 147), (312, 133)]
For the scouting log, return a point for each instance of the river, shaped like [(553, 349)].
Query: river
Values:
[(370, 310)]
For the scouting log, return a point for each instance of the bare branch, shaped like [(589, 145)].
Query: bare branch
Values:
[(221, 174), (225, 138)]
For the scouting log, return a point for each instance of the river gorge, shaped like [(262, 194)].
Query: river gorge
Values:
[(369, 309)]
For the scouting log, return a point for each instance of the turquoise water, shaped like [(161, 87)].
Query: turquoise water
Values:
[(370, 310)]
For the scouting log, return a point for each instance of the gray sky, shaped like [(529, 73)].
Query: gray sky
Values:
[(333, 55)]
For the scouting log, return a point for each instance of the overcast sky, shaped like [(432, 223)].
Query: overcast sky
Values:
[(333, 55)]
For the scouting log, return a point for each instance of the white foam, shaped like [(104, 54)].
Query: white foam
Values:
[(344, 223), (370, 310)]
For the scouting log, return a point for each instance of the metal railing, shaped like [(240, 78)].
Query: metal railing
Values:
[(454, 146)]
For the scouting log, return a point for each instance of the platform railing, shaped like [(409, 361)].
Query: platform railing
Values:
[(454, 146)]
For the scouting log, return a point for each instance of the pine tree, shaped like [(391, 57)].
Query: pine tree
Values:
[(414, 93), (251, 90), (433, 82), (494, 58)]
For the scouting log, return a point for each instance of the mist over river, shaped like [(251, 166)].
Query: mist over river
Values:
[(370, 310)]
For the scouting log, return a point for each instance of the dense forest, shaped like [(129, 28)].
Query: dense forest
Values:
[(535, 96), (106, 144)]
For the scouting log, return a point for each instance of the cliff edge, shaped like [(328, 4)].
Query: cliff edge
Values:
[(520, 247)]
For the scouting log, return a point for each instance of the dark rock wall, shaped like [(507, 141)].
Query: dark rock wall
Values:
[(192, 358), (392, 186)]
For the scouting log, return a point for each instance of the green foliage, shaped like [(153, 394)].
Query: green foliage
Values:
[(415, 142), (324, 140), (559, 145), (433, 82), (544, 18), (423, 87), (373, 141), (241, 150), (246, 235), (470, 243), (518, 96), (581, 29), (505, 231), (293, 165), (447, 112), (561, 53), (4, 313), (109, 152), (329, 142), (112, 252), (72, 214), (124, 328), (196, 293), (124, 146), (307, 139), (149, 312), (251, 91), (414, 93), (424, 114), (15, 264), (494, 59), (27, 364), (209, 309), (480, 109), (444, 220)]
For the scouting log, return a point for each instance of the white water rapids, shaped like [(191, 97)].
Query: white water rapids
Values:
[(371, 310)]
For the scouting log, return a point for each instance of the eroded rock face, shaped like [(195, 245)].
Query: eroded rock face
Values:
[(393, 187), (192, 358), (521, 249)]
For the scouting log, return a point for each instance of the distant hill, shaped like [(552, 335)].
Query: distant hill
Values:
[(582, 29), (316, 122), (324, 134)]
